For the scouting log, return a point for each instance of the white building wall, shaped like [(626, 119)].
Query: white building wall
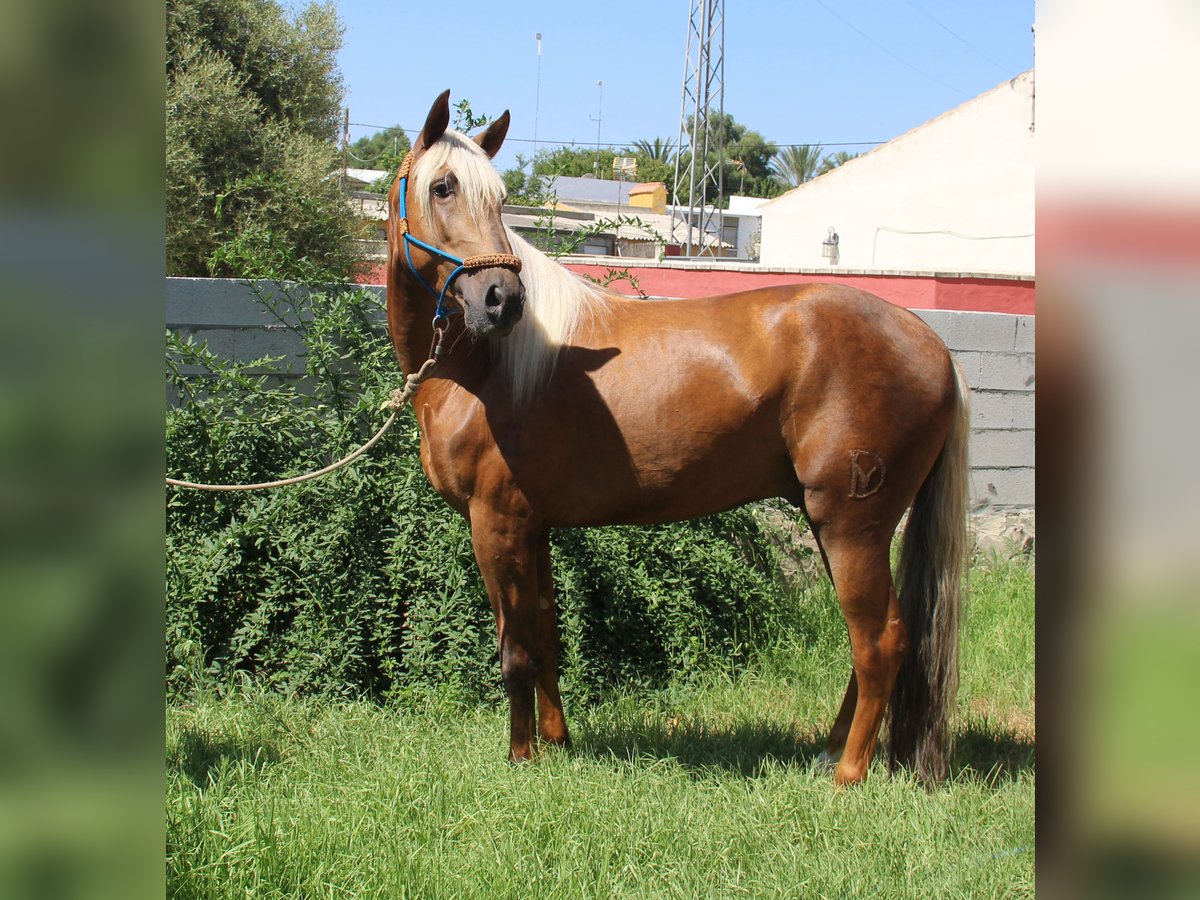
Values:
[(745, 210), (952, 195)]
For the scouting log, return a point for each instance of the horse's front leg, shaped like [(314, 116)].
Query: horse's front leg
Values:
[(506, 549), (552, 724)]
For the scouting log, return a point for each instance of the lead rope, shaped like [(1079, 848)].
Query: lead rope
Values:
[(399, 399)]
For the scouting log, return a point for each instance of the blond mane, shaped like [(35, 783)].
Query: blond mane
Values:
[(556, 300)]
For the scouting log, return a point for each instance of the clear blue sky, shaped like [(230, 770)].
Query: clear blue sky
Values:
[(797, 71)]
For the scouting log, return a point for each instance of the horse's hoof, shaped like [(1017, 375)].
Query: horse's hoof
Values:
[(827, 760), (847, 776)]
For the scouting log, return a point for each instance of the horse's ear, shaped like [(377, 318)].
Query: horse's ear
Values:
[(435, 123), (492, 138)]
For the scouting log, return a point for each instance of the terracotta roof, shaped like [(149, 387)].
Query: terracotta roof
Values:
[(647, 188)]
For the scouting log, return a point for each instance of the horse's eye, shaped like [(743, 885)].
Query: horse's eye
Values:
[(443, 188)]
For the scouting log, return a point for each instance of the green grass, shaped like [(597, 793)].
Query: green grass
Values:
[(703, 789)]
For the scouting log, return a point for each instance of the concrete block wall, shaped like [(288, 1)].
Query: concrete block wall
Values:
[(224, 314), (996, 351)]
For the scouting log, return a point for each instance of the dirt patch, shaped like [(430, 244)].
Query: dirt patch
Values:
[(1009, 532)]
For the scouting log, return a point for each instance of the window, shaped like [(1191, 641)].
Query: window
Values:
[(598, 245), (729, 233)]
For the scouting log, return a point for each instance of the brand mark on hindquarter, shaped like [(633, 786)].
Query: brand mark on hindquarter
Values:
[(866, 473)]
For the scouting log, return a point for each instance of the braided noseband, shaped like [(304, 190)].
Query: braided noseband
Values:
[(469, 264)]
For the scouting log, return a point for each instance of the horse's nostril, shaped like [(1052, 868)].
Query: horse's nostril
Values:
[(493, 298)]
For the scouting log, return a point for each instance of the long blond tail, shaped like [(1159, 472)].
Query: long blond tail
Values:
[(929, 579)]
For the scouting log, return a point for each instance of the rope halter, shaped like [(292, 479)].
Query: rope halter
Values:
[(469, 264)]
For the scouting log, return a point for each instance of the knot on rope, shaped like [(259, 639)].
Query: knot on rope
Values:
[(405, 165), (400, 396)]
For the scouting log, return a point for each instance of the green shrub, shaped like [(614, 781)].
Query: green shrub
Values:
[(253, 107), (364, 583)]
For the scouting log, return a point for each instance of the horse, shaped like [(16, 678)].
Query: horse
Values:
[(556, 403)]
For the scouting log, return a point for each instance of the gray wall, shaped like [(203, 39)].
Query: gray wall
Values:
[(995, 350), (996, 353), (224, 313)]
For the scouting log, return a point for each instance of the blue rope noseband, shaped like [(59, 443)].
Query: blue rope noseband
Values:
[(505, 260)]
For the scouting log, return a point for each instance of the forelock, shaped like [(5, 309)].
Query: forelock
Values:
[(478, 181)]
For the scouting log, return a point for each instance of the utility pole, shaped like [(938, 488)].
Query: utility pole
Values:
[(598, 119), (537, 100), (702, 176)]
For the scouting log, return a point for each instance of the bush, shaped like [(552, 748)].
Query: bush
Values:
[(364, 582), (253, 98)]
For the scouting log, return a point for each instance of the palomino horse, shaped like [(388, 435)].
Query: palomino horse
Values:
[(555, 403)]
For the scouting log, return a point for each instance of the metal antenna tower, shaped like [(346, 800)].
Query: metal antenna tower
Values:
[(699, 180)]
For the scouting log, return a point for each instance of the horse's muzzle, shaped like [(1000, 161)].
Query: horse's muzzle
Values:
[(502, 305)]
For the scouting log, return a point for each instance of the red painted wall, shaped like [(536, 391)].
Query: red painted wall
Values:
[(912, 291)]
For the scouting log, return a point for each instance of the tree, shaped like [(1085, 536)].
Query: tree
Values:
[(749, 147), (369, 149), (747, 163), (574, 161), (252, 117), (746, 169), (831, 162), (649, 169), (522, 189), (378, 150), (793, 166), (514, 184), (381, 150), (658, 150)]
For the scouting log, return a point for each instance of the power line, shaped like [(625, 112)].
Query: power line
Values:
[(358, 158), (824, 144), (898, 59), (561, 143), (957, 234), (632, 143), (1003, 67)]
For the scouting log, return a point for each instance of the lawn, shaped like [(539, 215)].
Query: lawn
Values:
[(706, 788)]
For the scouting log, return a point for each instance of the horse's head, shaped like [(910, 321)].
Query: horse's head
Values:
[(447, 228)]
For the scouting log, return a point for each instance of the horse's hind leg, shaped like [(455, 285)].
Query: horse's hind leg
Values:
[(841, 725), (860, 568), (552, 724), (840, 729)]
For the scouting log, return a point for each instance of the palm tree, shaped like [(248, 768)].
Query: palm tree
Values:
[(660, 150), (834, 160), (792, 166)]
